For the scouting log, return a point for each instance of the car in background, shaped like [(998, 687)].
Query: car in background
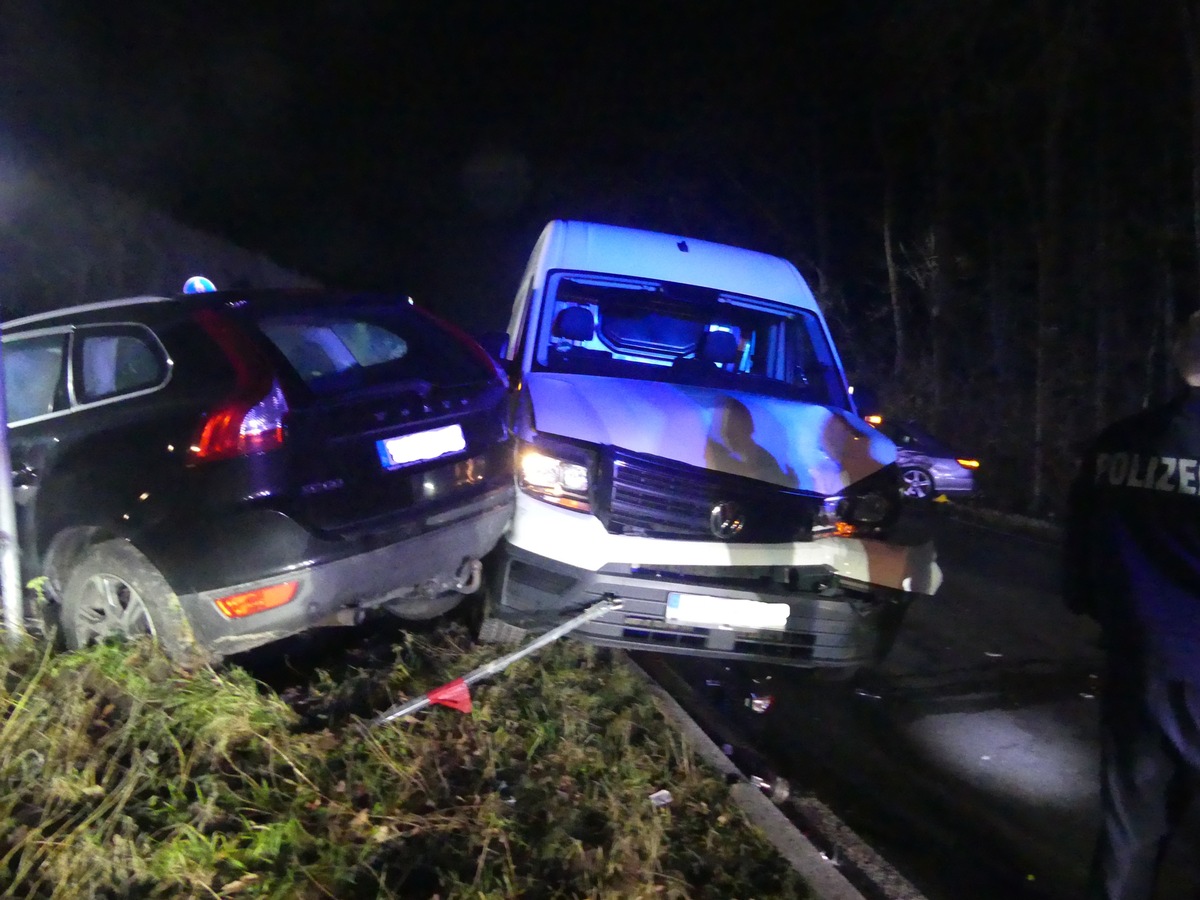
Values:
[(223, 469), (928, 467)]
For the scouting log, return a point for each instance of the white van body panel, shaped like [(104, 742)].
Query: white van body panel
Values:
[(582, 542), (590, 247), (772, 453), (794, 445)]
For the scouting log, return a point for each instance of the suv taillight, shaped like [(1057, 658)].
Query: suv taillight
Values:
[(251, 420), (240, 427)]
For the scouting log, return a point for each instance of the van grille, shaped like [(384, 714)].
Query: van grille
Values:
[(785, 645), (645, 495)]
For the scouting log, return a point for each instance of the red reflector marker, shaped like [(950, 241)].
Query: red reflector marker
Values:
[(456, 695), (236, 606)]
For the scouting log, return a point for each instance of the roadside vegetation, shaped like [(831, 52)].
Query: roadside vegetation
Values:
[(123, 776)]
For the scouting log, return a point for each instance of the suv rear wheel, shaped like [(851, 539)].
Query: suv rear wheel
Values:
[(115, 592)]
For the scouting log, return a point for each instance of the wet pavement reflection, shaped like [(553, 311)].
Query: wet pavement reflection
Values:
[(969, 758)]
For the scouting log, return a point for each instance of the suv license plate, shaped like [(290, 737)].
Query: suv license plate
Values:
[(701, 609), (422, 446)]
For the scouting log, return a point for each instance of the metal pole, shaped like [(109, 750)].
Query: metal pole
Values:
[(10, 559), (594, 611)]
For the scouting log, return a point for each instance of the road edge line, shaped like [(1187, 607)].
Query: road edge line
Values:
[(819, 873)]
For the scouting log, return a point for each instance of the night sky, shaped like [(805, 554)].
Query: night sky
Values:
[(390, 144)]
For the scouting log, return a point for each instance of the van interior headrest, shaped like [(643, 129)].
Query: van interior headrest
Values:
[(718, 347), (574, 323)]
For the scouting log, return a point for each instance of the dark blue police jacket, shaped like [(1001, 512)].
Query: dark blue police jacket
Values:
[(1132, 539)]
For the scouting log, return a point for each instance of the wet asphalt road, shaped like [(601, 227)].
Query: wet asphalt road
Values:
[(969, 759)]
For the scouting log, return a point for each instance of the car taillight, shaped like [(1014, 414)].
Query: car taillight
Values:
[(251, 420), (468, 343), (240, 427)]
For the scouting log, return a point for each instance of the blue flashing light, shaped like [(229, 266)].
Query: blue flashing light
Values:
[(198, 284)]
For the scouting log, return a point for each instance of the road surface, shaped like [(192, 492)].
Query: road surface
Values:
[(969, 759)]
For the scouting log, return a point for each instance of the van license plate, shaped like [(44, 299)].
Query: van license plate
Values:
[(700, 609), (422, 446)]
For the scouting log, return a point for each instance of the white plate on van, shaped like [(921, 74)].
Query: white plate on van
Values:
[(702, 609)]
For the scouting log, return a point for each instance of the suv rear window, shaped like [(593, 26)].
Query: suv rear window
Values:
[(333, 351)]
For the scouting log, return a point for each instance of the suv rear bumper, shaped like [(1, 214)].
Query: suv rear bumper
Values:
[(831, 624), (418, 568)]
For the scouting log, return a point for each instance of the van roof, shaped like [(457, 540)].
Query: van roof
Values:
[(592, 247)]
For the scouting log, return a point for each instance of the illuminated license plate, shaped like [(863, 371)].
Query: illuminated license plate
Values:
[(424, 445), (700, 609)]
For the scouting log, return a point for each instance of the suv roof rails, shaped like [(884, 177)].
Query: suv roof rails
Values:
[(87, 307)]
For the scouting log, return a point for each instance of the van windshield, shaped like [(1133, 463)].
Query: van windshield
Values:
[(625, 327)]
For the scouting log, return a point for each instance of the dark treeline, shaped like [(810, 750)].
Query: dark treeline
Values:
[(1035, 204), (65, 241), (997, 202)]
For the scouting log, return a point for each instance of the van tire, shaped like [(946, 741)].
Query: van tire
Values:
[(115, 592), (485, 627)]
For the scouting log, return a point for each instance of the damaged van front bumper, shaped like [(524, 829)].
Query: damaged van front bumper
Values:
[(806, 616)]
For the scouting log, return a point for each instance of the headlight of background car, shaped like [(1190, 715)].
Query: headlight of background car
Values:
[(558, 475), (869, 507)]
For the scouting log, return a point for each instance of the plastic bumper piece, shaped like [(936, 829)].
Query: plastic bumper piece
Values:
[(362, 581), (831, 624)]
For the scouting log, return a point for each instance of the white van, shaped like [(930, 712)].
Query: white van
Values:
[(687, 443)]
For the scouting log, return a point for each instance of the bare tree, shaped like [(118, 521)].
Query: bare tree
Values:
[(1189, 19)]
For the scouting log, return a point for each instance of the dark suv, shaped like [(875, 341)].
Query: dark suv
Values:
[(225, 469)]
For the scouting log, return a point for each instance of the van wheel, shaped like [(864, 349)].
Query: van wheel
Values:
[(116, 593), (485, 627)]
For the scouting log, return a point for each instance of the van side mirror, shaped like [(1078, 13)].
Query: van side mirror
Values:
[(495, 343)]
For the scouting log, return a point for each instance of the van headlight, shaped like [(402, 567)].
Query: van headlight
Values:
[(556, 474), (869, 507)]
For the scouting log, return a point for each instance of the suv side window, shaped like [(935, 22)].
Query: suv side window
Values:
[(33, 375), (112, 361)]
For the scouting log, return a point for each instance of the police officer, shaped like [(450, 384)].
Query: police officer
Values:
[(1133, 563)]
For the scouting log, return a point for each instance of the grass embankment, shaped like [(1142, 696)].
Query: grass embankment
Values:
[(123, 776)]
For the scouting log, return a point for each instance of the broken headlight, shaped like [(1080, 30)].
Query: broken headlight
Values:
[(868, 507)]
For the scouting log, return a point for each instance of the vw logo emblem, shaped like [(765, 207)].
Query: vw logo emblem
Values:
[(726, 520)]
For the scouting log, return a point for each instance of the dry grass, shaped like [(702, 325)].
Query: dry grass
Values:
[(122, 776)]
